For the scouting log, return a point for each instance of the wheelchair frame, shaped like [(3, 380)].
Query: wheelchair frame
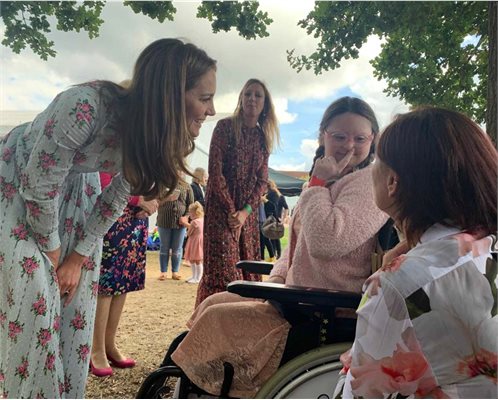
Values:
[(292, 373), (306, 366)]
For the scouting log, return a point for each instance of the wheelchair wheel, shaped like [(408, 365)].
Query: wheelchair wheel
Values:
[(312, 375), (159, 384)]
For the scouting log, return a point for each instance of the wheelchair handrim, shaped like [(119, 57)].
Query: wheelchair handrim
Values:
[(313, 359)]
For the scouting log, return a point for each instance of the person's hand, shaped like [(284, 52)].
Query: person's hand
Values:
[(183, 221), (236, 233), (149, 206), (275, 279), (54, 257), (68, 275), (142, 214), (237, 219), (401, 248), (327, 168)]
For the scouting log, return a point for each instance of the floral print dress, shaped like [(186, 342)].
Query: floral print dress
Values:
[(50, 198), (238, 175), (428, 325), (124, 253)]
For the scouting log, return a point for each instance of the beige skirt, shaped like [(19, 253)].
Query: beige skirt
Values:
[(248, 333)]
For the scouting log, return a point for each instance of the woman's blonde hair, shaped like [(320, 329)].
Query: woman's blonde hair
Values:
[(273, 186), (267, 119), (153, 124), (197, 209)]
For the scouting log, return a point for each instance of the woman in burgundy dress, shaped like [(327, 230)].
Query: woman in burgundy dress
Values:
[(238, 174)]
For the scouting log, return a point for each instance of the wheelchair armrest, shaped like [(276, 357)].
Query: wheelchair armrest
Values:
[(255, 267), (295, 294)]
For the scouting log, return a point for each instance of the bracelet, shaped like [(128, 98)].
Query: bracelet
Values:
[(248, 208), (314, 181)]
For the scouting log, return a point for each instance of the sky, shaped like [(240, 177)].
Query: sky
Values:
[(29, 83)]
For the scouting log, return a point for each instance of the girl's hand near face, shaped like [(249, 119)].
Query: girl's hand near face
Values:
[(327, 168)]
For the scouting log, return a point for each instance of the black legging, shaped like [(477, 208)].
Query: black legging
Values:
[(277, 247), (265, 242)]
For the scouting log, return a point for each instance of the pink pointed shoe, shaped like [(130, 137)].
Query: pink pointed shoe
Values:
[(100, 372), (126, 363)]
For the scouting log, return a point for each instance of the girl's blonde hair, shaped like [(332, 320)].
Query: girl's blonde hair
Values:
[(197, 209), (267, 119)]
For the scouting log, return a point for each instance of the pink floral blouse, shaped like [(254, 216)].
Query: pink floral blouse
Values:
[(428, 326)]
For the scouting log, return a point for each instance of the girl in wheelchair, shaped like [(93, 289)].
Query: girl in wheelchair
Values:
[(333, 233)]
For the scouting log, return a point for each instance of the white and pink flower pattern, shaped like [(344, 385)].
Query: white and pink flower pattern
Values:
[(39, 307), (44, 337), (79, 321), (83, 113), (422, 323), (49, 188), (83, 352), (15, 328)]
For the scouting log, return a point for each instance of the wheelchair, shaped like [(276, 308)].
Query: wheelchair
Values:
[(310, 364)]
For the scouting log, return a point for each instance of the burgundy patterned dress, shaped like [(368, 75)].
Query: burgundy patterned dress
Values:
[(238, 174)]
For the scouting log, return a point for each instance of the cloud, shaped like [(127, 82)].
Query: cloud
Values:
[(284, 116), (308, 148), (289, 167), (29, 83), (384, 106), (124, 34)]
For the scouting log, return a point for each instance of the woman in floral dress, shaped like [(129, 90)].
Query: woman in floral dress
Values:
[(122, 271), (428, 324), (238, 173), (53, 216)]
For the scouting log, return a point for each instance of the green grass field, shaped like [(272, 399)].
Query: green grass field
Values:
[(285, 239)]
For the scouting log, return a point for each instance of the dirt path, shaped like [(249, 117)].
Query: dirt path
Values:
[(151, 319)]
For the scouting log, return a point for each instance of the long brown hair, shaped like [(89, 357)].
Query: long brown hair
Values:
[(267, 119), (153, 126), (273, 186), (447, 168), (341, 106)]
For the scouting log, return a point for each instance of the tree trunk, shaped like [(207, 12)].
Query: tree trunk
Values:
[(492, 111)]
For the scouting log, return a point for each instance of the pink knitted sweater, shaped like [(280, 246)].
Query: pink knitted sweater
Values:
[(333, 235)]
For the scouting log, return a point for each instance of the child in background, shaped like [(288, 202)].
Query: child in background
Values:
[(193, 249)]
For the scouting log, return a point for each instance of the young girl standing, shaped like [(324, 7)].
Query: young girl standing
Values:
[(193, 249)]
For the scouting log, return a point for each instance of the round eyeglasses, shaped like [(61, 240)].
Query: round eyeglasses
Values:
[(342, 138)]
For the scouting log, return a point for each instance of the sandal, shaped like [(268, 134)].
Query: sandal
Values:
[(162, 277)]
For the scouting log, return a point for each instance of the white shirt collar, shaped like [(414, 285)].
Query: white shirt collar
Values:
[(438, 231)]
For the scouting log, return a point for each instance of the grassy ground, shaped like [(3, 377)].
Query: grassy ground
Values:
[(285, 239)]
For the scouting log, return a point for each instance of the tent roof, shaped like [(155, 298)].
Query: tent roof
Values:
[(288, 185)]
